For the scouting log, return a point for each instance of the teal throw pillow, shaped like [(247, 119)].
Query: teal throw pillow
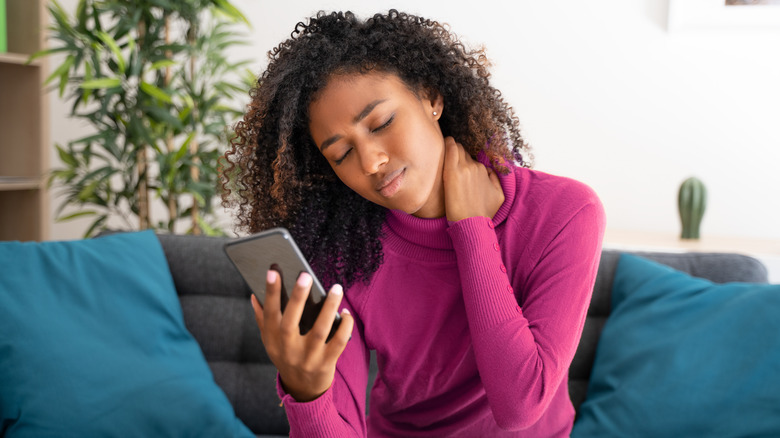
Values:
[(93, 344), (684, 357)]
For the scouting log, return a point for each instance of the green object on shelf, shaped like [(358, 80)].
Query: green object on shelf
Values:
[(3, 29), (692, 201)]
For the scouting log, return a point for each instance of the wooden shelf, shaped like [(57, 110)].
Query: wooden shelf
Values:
[(18, 58), (24, 125), (12, 183), (660, 241)]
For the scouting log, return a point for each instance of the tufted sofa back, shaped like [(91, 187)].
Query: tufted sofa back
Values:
[(215, 302)]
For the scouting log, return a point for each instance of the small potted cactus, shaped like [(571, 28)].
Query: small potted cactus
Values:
[(692, 201)]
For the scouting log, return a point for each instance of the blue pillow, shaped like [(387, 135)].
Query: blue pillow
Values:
[(682, 356), (93, 344)]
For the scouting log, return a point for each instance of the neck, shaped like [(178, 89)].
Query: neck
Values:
[(434, 207), (431, 211)]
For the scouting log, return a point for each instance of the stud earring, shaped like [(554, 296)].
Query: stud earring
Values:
[(435, 113)]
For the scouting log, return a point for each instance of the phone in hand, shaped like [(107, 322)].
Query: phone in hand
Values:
[(275, 249)]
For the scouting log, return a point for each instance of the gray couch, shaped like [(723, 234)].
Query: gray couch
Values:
[(216, 309)]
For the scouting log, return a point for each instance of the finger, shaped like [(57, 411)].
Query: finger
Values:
[(273, 289), (450, 152), (465, 157), (327, 315), (258, 309), (291, 317), (340, 339)]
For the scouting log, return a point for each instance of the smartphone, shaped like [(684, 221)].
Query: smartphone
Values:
[(275, 249)]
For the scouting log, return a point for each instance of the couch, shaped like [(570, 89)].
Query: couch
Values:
[(216, 310)]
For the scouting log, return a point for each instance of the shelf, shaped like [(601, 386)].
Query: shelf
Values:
[(18, 59), (22, 214), (21, 121), (14, 183), (24, 125), (661, 241)]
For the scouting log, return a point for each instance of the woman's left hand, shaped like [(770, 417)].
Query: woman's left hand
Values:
[(470, 188)]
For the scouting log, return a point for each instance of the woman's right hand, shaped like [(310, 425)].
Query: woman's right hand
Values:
[(306, 364)]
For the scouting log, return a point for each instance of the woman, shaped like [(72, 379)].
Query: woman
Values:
[(402, 175)]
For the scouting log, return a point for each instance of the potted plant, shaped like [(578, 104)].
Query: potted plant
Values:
[(692, 202), (153, 79)]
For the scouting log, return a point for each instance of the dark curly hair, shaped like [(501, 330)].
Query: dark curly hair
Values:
[(274, 175)]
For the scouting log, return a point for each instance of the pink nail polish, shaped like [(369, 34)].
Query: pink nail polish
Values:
[(304, 279), (271, 277)]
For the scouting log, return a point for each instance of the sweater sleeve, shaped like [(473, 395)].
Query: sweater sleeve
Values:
[(523, 352), (340, 411)]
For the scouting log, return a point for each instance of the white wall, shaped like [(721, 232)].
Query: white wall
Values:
[(607, 96)]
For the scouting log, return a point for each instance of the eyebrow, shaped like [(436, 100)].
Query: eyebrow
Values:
[(362, 115)]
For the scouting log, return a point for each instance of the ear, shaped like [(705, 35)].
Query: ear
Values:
[(436, 102)]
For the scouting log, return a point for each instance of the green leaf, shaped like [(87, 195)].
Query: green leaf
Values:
[(88, 191), (155, 92), (199, 198), (66, 156), (60, 17), (162, 64), (81, 15), (77, 215), (184, 147), (63, 68), (101, 83), (65, 175), (111, 43), (85, 95), (131, 44), (161, 115), (47, 52), (208, 229), (93, 137), (97, 224), (231, 11)]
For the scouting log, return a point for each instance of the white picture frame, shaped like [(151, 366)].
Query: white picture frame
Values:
[(715, 14)]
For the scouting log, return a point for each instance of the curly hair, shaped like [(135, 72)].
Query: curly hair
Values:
[(274, 175)]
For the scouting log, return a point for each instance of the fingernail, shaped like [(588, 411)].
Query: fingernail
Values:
[(271, 277), (304, 279), (345, 310), (337, 289)]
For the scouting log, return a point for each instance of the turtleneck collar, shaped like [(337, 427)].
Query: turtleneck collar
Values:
[(427, 239)]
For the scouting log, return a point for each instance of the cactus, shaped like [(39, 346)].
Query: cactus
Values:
[(692, 202)]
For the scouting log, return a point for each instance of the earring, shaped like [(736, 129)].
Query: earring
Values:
[(435, 113)]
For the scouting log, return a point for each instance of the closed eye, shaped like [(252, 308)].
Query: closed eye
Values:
[(375, 130), (343, 157), (384, 125)]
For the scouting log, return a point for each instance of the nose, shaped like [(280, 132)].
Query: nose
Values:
[(372, 158)]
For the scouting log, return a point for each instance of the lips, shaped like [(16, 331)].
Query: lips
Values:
[(391, 183)]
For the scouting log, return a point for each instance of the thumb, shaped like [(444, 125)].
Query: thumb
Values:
[(258, 310)]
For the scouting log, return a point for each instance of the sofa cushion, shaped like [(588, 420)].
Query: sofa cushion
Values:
[(717, 267), (682, 356), (215, 302), (93, 343)]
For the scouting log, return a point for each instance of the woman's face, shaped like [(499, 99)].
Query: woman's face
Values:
[(382, 140)]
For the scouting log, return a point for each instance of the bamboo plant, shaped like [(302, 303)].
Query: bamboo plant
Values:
[(154, 80)]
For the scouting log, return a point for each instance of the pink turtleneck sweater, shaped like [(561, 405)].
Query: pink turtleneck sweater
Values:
[(474, 323)]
